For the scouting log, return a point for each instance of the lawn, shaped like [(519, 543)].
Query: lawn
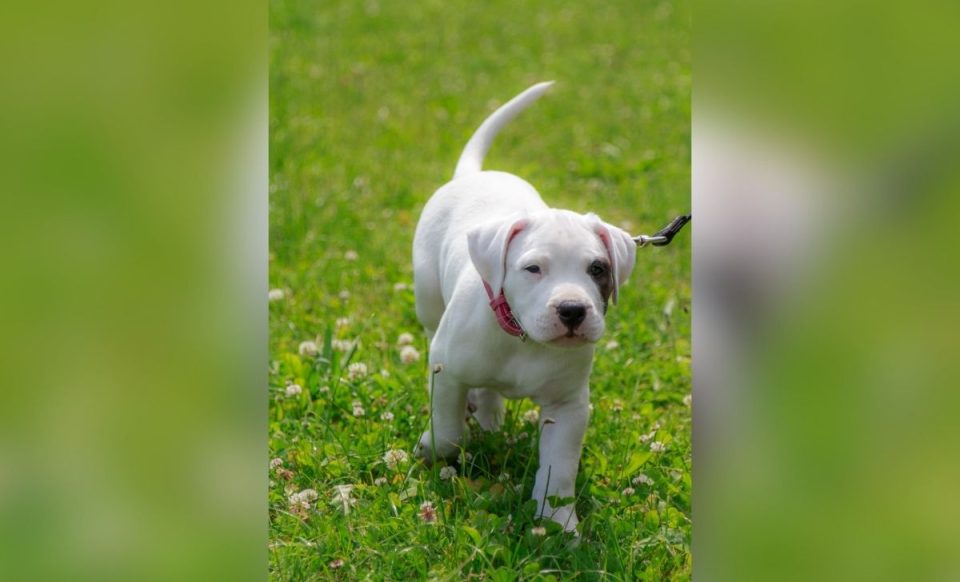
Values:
[(371, 103)]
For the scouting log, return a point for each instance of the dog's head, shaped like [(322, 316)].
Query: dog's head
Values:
[(557, 269)]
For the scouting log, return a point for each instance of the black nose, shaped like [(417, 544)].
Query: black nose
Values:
[(571, 313)]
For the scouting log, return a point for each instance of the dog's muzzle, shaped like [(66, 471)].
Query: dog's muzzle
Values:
[(571, 313)]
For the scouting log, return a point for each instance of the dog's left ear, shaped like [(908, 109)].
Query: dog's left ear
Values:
[(621, 250), (488, 244)]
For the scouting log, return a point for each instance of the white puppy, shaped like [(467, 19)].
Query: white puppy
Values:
[(512, 295)]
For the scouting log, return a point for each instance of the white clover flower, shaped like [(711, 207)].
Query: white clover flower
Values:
[(409, 354), (657, 447), (538, 531), (358, 408), (645, 437), (503, 477), (395, 457), (642, 479), (299, 509), (668, 308), (400, 287), (307, 348), (612, 345), (276, 462), (617, 405), (405, 339), (356, 370), (380, 481), (342, 322), (385, 373), (276, 294), (336, 564), (448, 472), (628, 491), (300, 500), (344, 295), (351, 255), (387, 416), (324, 390), (688, 400), (532, 416), (293, 390), (342, 498), (343, 345), (427, 512)]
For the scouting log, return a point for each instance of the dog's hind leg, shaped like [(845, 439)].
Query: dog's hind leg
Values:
[(444, 435), (487, 407)]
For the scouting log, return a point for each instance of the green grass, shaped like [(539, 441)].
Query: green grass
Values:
[(371, 104)]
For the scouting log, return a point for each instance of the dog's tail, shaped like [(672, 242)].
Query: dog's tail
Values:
[(471, 160)]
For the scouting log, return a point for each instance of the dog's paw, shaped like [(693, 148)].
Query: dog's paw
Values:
[(445, 449), (565, 516), (487, 408)]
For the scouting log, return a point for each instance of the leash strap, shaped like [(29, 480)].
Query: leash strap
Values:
[(663, 236)]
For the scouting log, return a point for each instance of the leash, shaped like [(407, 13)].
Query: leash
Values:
[(662, 237)]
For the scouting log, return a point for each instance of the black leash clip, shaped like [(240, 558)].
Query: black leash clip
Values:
[(662, 237)]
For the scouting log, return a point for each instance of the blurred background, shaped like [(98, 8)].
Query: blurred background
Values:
[(825, 290), (132, 304)]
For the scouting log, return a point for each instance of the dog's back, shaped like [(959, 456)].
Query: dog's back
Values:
[(473, 196)]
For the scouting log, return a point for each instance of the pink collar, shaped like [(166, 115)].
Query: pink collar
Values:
[(504, 314)]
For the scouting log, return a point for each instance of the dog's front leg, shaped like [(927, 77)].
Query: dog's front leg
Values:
[(442, 440), (561, 438)]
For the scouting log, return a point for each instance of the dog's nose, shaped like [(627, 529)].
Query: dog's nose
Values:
[(571, 313)]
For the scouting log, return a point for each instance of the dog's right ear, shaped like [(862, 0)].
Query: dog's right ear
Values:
[(488, 244)]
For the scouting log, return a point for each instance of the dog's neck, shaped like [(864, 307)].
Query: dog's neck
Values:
[(504, 314)]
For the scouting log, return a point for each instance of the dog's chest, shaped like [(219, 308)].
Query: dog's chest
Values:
[(532, 373)]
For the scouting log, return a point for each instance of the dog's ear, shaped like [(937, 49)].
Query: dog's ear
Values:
[(621, 250), (488, 244)]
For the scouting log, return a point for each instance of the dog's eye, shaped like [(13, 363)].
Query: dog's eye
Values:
[(597, 269), (532, 269)]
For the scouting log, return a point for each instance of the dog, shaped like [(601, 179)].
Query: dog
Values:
[(512, 295)]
